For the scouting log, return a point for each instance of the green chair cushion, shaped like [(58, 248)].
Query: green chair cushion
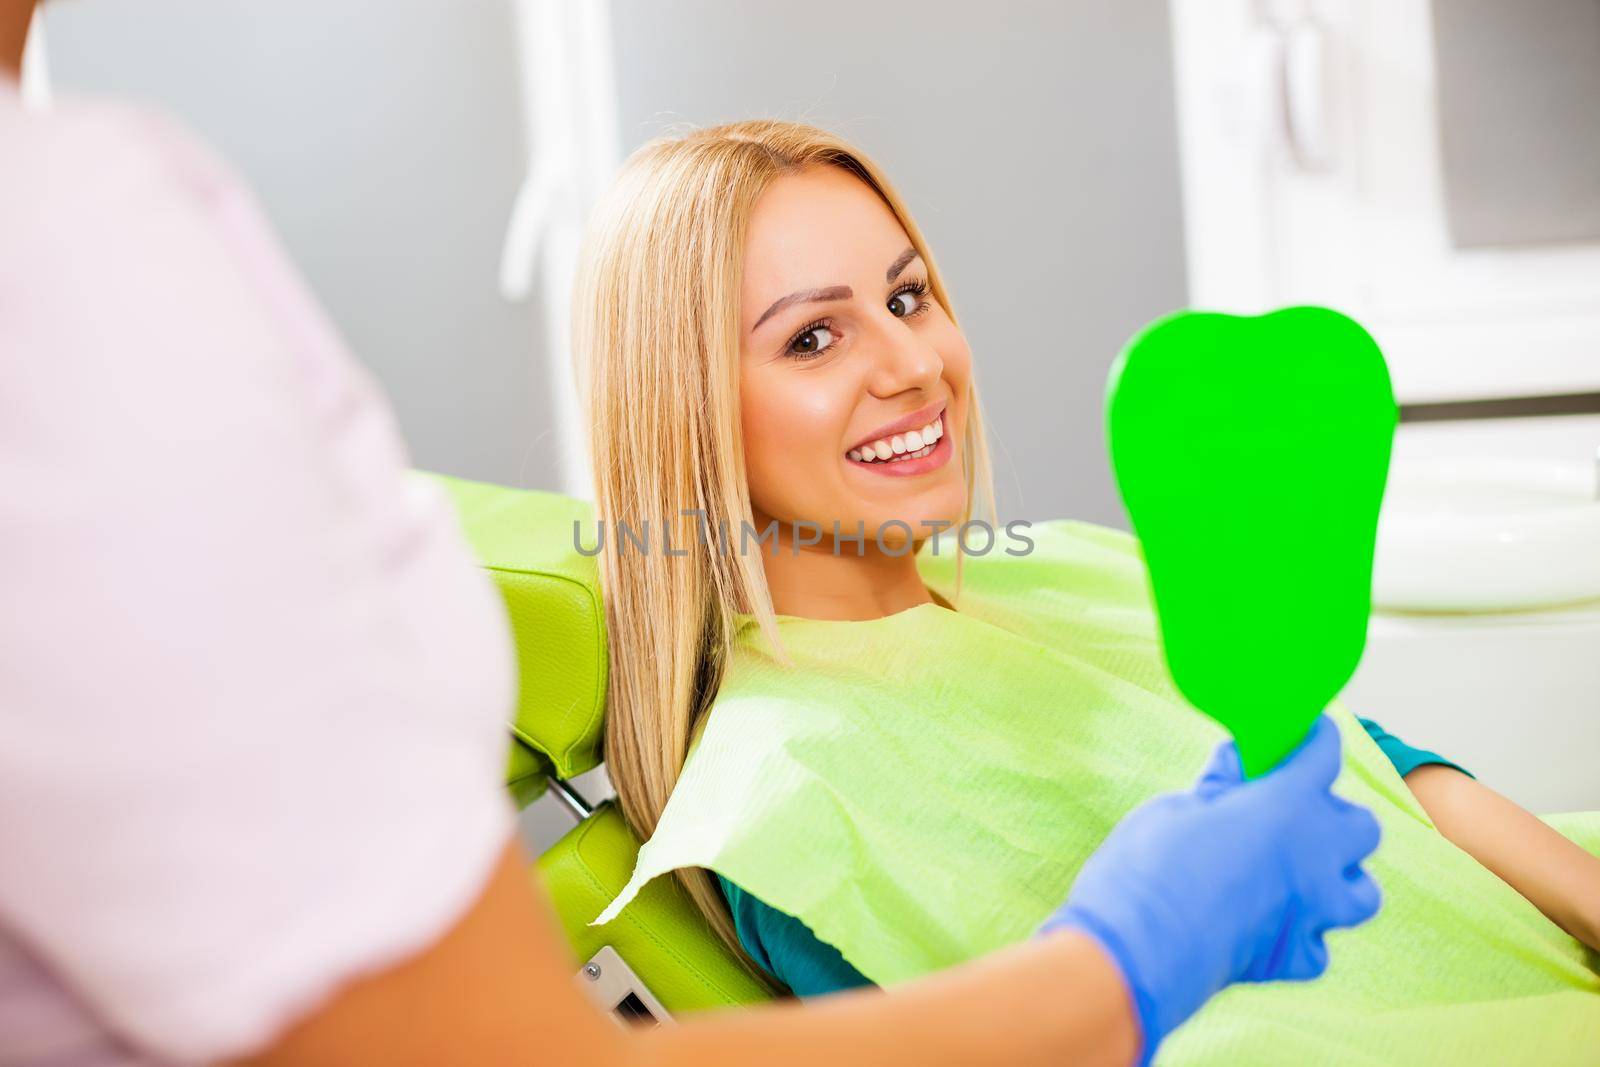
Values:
[(659, 934), (552, 594)]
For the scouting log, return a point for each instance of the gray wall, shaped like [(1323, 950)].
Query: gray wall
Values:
[(1034, 141), (385, 142)]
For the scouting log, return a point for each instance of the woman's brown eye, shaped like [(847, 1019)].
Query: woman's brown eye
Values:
[(904, 303), (812, 341)]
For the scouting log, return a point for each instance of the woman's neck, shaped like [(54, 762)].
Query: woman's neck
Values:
[(850, 582)]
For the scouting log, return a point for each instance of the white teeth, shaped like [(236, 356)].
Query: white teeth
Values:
[(908, 445), (912, 455)]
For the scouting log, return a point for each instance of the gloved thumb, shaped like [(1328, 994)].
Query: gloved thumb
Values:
[(1222, 773), (1313, 766)]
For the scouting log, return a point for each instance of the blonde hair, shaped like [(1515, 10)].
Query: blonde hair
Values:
[(656, 338)]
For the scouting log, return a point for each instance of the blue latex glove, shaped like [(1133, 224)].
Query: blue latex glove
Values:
[(1233, 881)]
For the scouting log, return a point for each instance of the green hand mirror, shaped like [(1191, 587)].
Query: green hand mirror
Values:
[(1251, 454)]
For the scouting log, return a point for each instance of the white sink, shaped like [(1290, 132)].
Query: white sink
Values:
[(1487, 535)]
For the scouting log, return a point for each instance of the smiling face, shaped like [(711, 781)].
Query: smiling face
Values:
[(841, 338)]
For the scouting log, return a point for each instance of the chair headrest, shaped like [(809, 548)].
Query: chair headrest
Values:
[(524, 537)]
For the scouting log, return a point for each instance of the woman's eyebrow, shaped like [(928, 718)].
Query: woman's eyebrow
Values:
[(832, 292), (900, 264), (808, 296)]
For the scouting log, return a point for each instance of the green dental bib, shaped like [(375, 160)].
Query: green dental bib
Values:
[(922, 788)]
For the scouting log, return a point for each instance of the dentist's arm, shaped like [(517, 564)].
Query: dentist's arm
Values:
[(1228, 882), (498, 988)]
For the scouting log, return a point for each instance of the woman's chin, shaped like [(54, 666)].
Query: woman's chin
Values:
[(920, 519)]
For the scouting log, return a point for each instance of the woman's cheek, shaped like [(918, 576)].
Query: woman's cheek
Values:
[(768, 473), (783, 462), (957, 357)]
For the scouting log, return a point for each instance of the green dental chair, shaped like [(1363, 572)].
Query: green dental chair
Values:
[(658, 958)]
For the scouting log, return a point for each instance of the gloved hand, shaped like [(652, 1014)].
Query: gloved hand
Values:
[(1233, 881)]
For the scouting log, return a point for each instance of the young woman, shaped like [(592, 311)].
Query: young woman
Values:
[(765, 341)]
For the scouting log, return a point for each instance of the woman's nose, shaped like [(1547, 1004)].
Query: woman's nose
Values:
[(903, 359)]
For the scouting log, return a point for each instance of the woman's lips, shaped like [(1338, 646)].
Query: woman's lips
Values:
[(917, 421), (905, 468)]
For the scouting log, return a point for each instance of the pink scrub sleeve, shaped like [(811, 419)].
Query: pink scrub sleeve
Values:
[(252, 686)]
